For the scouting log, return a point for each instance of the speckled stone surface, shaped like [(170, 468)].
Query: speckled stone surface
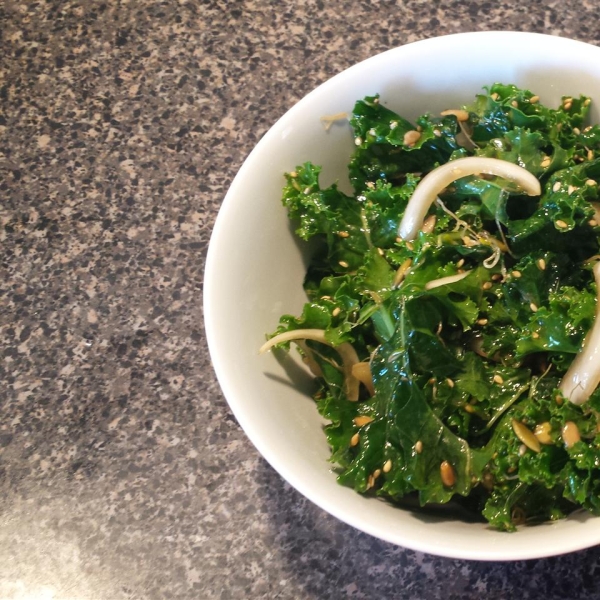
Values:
[(123, 475)]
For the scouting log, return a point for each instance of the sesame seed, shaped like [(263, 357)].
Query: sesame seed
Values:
[(343, 234), (293, 174), (560, 223), (516, 274), (387, 467), (498, 379), (370, 185), (482, 321), (487, 285), (343, 263), (576, 130), (496, 277), (571, 189), (460, 114), (401, 272), (460, 263), (542, 433), (534, 99), (494, 96), (409, 245), (546, 162), (437, 133), (419, 446), (362, 420), (535, 335), (468, 408), (399, 240), (591, 182), (447, 474), (522, 450), (355, 439), (592, 222), (556, 186), (411, 137), (590, 155), (570, 434), (372, 132), (381, 252), (358, 141), (336, 311), (376, 473), (515, 103), (325, 297), (541, 264), (375, 100), (568, 104), (306, 191), (586, 102), (429, 224), (533, 307), (393, 124)]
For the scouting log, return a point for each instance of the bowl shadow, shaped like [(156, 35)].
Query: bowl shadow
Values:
[(330, 559)]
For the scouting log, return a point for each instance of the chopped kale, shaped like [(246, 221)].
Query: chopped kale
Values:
[(465, 372)]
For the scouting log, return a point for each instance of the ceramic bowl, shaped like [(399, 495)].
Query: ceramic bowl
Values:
[(255, 268)]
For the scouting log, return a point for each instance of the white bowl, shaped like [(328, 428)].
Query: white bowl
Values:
[(255, 269)]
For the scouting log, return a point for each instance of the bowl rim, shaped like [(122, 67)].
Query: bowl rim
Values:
[(219, 362)]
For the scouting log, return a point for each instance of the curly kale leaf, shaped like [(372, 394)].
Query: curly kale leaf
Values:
[(456, 365), (383, 150)]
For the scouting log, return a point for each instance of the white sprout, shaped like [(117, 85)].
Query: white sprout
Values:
[(583, 375), (329, 120), (440, 178), (345, 350), (434, 283), (362, 372), (309, 359), (491, 261)]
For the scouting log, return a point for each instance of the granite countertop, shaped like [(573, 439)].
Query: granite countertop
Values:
[(123, 474)]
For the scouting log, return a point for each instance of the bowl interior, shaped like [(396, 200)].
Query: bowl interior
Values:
[(255, 269)]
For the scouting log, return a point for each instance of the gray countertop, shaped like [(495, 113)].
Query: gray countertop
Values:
[(122, 471)]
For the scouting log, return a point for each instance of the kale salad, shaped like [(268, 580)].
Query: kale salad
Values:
[(452, 319)]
